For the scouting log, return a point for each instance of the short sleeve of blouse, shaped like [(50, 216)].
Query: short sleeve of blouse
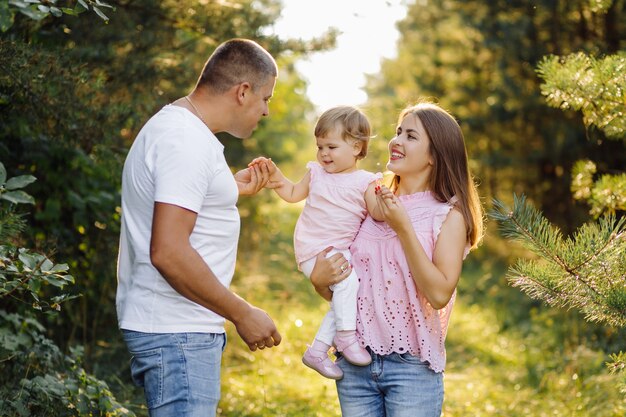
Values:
[(440, 217), (314, 167)]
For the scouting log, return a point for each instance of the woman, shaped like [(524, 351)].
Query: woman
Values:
[(409, 266)]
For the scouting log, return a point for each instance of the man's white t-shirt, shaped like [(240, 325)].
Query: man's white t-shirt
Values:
[(175, 159)]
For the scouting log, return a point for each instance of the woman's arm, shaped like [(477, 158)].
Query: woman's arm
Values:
[(436, 279), (327, 272)]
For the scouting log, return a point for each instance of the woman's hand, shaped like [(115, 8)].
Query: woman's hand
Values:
[(393, 212), (329, 271)]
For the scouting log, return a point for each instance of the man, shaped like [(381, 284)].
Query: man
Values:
[(179, 234)]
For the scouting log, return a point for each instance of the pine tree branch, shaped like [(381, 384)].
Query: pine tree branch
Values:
[(593, 285), (523, 231)]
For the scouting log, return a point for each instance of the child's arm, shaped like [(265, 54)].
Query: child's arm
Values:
[(287, 190), (371, 202)]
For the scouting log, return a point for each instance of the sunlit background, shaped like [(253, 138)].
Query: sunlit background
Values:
[(76, 86), (368, 33)]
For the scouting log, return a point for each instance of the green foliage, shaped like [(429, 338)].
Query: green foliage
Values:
[(50, 383), (40, 9), (618, 366), (596, 87), (541, 366), (11, 223), (74, 96), (586, 271), (606, 195), (10, 188), (478, 59), (24, 275)]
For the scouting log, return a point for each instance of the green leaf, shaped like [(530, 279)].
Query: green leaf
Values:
[(56, 280), (59, 268), (18, 197), (19, 182), (99, 13), (84, 4), (46, 266), (18, 3), (6, 17), (69, 11), (34, 285), (29, 260), (56, 12), (102, 4), (3, 174), (33, 14)]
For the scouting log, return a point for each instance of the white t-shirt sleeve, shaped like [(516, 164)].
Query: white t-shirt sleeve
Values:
[(183, 166)]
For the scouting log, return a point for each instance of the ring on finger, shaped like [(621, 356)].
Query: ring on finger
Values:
[(343, 268)]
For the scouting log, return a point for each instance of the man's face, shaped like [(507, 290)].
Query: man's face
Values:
[(255, 106)]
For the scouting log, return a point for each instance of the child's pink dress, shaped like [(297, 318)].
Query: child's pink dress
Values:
[(333, 212)]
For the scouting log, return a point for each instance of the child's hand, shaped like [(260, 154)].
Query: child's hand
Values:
[(267, 163), (261, 160)]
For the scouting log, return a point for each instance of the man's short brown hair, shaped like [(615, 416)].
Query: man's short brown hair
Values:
[(236, 61)]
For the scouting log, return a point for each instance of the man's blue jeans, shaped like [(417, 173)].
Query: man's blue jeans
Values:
[(395, 385), (180, 372)]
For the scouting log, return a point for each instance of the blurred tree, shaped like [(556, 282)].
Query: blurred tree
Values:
[(37, 378), (74, 93), (478, 59), (588, 270)]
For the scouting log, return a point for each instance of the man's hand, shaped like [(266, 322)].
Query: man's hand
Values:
[(257, 329), (275, 174), (252, 179)]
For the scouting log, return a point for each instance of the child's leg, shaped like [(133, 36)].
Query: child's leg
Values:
[(316, 355), (344, 306), (326, 332), (344, 299), (344, 302)]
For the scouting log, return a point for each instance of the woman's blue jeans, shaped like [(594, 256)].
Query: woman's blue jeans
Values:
[(395, 385), (180, 372)]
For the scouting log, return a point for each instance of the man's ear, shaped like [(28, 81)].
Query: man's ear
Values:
[(242, 91)]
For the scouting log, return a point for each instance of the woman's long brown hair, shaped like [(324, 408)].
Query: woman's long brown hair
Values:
[(451, 180)]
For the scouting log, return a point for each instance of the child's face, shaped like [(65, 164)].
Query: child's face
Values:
[(337, 155)]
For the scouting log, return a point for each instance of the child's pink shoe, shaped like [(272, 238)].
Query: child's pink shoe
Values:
[(321, 363), (352, 350)]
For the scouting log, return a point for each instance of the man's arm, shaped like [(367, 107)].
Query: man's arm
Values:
[(184, 269)]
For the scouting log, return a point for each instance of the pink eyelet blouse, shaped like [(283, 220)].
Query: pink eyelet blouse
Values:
[(393, 316)]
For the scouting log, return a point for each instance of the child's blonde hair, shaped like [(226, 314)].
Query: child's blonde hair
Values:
[(353, 123)]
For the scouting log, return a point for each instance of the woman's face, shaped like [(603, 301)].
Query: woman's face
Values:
[(409, 151)]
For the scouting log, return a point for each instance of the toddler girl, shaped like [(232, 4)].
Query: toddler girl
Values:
[(338, 198)]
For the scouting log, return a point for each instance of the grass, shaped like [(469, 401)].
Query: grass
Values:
[(491, 371), (506, 356)]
